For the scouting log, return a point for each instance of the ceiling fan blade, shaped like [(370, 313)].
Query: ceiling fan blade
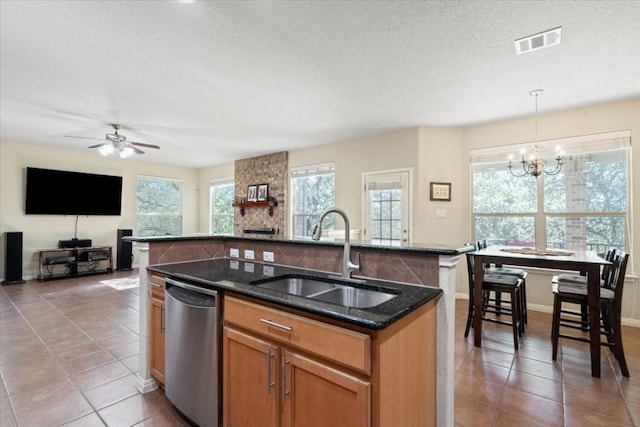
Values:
[(83, 137), (144, 144), (137, 150), (95, 146)]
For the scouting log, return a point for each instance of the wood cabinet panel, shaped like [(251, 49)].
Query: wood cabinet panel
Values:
[(340, 345), (156, 328), (250, 396), (316, 395)]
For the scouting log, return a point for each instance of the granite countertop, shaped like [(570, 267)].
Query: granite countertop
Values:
[(418, 248), (230, 275)]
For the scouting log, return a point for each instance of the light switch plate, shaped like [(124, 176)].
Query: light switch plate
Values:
[(267, 256), (441, 213), (234, 253), (248, 254)]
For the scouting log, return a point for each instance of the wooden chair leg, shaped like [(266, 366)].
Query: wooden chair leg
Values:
[(616, 325), (555, 326), (515, 316), (523, 298), (469, 317)]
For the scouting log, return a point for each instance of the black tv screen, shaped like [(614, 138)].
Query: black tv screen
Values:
[(54, 192)]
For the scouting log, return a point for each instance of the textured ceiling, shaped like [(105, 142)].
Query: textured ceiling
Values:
[(212, 82)]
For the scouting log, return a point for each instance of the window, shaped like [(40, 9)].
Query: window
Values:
[(585, 207), (159, 206), (314, 191), (387, 207), (221, 195)]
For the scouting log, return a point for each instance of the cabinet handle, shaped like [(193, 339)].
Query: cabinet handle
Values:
[(154, 285), (283, 368), (269, 371), (162, 320), (277, 325)]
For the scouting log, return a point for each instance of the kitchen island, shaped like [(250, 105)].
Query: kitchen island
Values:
[(426, 266)]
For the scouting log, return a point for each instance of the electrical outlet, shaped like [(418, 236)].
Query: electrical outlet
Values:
[(267, 256), (248, 254), (234, 253), (267, 270)]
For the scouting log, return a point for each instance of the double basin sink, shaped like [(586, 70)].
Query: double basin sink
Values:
[(326, 290)]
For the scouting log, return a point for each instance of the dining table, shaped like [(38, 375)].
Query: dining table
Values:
[(585, 262)]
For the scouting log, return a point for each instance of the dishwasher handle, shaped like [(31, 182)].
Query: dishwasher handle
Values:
[(191, 298)]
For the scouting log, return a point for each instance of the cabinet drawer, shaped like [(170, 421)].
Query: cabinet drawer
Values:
[(157, 285), (340, 345)]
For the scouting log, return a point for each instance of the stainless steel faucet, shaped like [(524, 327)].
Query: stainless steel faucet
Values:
[(347, 265)]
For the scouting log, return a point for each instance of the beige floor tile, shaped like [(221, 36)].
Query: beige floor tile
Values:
[(91, 420), (62, 411), (133, 410), (112, 392), (43, 394), (101, 375), (90, 361)]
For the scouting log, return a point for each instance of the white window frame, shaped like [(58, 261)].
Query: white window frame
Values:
[(407, 205), (300, 172), (572, 145), (178, 214), (216, 183)]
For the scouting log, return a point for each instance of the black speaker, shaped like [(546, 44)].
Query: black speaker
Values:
[(13, 257), (124, 250)]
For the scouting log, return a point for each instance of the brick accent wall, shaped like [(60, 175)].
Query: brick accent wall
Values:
[(269, 169), (575, 170)]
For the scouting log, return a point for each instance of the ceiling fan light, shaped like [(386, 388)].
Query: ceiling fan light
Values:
[(106, 149), (126, 152)]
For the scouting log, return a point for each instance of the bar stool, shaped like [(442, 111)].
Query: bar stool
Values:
[(517, 272), (499, 284), (610, 308)]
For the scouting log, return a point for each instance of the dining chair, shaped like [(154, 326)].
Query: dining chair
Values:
[(610, 309), (499, 284), (581, 280), (510, 271)]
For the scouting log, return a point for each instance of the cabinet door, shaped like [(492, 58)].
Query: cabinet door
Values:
[(250, 376), (157, 340), (316, 395)]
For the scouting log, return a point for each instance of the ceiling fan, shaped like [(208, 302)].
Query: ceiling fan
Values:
[(114, 143)]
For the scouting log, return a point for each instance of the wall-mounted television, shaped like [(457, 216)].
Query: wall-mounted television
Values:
[(55, 192)]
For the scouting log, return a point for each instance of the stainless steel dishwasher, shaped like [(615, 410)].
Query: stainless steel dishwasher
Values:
[(192, 363)]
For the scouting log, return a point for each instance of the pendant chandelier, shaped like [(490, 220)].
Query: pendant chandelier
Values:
[(534, 165)]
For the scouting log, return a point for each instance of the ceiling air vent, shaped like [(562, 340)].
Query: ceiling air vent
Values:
[(538, 41)]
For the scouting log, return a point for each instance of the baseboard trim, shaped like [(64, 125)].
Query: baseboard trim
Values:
[(145, 385)]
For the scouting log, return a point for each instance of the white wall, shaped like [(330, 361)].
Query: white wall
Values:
[(44, 231), (391, 150)]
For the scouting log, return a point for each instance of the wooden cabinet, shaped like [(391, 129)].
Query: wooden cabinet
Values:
[(287, 368), (250, 395), (157, 327)]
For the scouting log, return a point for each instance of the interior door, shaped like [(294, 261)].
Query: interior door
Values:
[(386, 207)]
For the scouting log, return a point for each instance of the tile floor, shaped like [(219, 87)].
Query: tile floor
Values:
[(494, 386), (68, 355)]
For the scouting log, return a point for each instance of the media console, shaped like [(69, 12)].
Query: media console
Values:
[(74, 262)]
